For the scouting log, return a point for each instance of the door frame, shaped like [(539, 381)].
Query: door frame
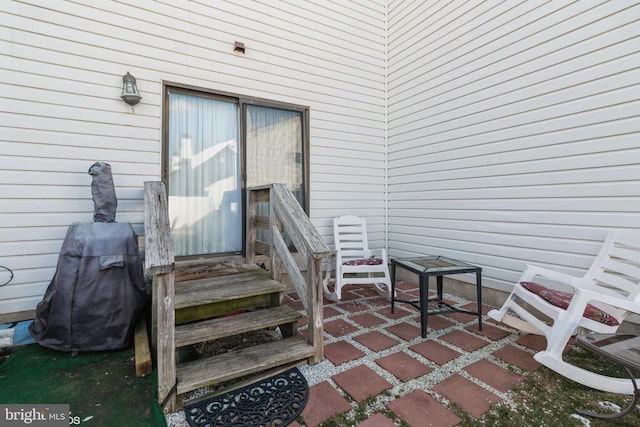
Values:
[(242, 102)]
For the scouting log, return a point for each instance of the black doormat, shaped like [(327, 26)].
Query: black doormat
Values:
[(275, 401)]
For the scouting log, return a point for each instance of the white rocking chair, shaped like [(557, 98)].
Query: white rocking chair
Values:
[(353, 259), (598, 302)]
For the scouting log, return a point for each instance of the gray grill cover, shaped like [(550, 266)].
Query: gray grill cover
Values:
[(97, 292)]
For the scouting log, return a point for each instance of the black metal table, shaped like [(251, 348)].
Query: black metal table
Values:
[(623, 349), (438, 266)]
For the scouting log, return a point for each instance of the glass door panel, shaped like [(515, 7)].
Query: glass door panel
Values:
[(274, 148), (204, 181)]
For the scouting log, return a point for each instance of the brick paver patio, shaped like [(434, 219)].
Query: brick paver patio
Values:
[(379, 360)]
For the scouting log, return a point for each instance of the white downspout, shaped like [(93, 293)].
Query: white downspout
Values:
[(386, 127)]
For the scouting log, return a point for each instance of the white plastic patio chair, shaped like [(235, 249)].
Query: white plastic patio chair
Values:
[(355, 263), (599, 302)]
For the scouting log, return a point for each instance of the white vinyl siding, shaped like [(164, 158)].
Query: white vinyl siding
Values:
[(498, 132), (60, 106), (514, 131)]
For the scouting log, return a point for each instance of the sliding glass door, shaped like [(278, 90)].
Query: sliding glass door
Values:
[(215, 147)]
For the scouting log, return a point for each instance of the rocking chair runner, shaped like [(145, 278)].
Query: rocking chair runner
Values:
[(353, 258), (599, 302)]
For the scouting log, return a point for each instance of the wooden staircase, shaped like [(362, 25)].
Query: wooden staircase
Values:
[(201, 304), (258, 298)]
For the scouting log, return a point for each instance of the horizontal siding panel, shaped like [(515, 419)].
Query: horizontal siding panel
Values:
[(513, 131), (79, 178), (65, 165), (60, 108), (524, 49), (528, 204), (116, 156), (601, 109), (536, 193), (107, 142), (593, 161)]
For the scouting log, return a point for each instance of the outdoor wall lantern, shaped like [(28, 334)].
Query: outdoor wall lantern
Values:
[(130, 93)]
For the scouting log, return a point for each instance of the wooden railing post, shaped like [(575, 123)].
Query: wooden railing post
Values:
[(287, 216), (315, 313), (160, 266)]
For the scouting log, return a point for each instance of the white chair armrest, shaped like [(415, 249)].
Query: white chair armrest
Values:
[(590, 296), (379, 252), (532, 271)]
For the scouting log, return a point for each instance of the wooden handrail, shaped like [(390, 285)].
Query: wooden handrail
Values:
[(286, 217), (160, 267)]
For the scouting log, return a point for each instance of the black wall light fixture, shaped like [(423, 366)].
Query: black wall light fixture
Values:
[(130, 93)]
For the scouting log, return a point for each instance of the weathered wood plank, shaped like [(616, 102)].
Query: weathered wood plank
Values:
[(315, 314), (225, 288), (251, 233), (234, 325), (165, 314), (295, 219), (206, 311), (144, 365), (211, 267), (295, 276), (234, 364), (157, 231)]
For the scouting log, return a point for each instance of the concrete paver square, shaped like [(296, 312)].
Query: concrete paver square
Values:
[(329, 312), (403, 366), (376, 341), (405, 331), (398, 313), (464, 340), (368, 320), (340, 327), (496, 376), (341, 352), (488, 331), (521, 358), (468, 395), (437, 322), (435, 352), (419, 409), (377, 420), (534, 342), (361, 382), (352, 306), (324, 402)]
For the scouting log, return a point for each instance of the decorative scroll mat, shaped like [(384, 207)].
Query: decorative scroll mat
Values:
[(274, 401)]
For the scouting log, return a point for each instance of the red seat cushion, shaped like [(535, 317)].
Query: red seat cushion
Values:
[(562, 300), (364, 261)]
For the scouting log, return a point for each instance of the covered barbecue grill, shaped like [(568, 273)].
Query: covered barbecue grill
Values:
[(98, 290)]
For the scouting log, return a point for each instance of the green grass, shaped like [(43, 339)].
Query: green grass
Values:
[(100, 387), (545, 398)]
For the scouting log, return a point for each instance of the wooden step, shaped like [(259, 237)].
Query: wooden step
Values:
[(238, 363), (225, 288), (216, 296), (221, 327)]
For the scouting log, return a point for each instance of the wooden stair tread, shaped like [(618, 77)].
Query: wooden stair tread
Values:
[(234, 325), (234, 364), (225, 288)]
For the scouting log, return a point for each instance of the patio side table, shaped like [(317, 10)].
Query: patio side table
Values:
[(438, 266), (623, 349)]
